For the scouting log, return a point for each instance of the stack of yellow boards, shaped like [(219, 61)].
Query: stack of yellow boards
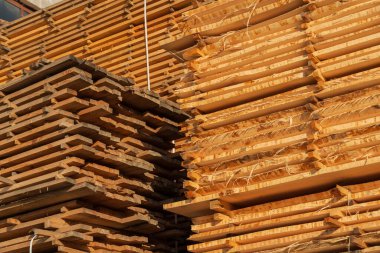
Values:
[(86, 164), (110, 33), (283, 148)]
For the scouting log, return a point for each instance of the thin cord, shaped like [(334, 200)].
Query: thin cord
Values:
[(146, 44), (31, 244)]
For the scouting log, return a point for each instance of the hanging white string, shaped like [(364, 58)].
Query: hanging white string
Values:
[(31, 244), (146, 44)]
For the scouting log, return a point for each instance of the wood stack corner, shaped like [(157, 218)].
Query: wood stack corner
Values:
[(110, 33), (283, 149), (86, 163)]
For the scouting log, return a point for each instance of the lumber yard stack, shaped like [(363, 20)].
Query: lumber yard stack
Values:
[(283, 149), (109, 33), (86, 163)]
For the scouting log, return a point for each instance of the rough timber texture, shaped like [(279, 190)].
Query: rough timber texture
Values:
[(86, 163), (110, 33), (283, 150)]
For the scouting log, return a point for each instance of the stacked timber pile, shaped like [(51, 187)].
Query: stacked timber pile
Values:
[(109, 33), (285, 97), (86, 163)]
